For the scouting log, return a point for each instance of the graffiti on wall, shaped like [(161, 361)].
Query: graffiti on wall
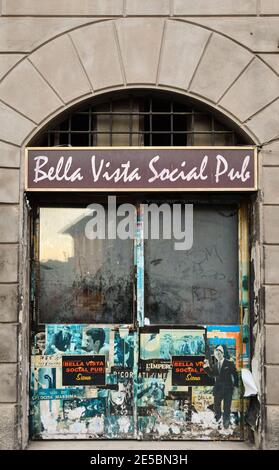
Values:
[(164, 382)]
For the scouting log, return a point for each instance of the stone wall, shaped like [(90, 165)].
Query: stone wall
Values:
[(224, 53)]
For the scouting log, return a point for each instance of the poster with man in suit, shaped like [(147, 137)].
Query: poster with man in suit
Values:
[(225, 375)]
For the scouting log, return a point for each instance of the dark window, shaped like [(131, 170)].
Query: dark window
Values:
[(200, 285)]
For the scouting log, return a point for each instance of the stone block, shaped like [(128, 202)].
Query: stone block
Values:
[(14, 127), (271, 224), (98, 51), (215, 72), (33, 98), (269, 7), (147, 7), (271, 304), (271, 264), (26, 34), (9, 224), (7, 61), (272, 385), (8, 427), (8, 303), (271, 347), (271, 441), (270, 154), (265, 124), (8, 263), (270, 177), (250, 92), (9, 155), (258, 34), (214, 7), (9, 185), (8, 383), (8, 343), (140, 42), (58, 62), (182, 47), (62, 7), (272, 60)]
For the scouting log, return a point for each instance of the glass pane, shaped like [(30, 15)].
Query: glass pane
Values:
[(180, 140), (198, 286), (80, 122), (82, 280), (61, 139), (202, 123), (180, 122), (223, 139), (102, 124), (80, 139), (202, 139), (122, 127)]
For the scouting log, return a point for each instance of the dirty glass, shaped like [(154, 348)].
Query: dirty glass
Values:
[(200, 285), (82, 280)]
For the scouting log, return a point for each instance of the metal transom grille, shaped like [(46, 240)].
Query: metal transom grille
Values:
[(153, 120)]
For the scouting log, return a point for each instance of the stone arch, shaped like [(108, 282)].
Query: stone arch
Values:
[(139, 52)]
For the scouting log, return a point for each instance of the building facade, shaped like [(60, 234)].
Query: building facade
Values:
[(119, 64)]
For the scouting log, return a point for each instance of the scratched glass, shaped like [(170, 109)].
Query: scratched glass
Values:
[(82, 280), (200, 285)]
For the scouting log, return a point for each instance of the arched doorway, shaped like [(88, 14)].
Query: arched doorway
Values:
[(143, 315)]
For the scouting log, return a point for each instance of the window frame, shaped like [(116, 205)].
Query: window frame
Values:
[(53, 200)]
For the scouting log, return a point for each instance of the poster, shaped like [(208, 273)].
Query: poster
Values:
[(83, 370), (179, 342), (166, 393), (189, 371)]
